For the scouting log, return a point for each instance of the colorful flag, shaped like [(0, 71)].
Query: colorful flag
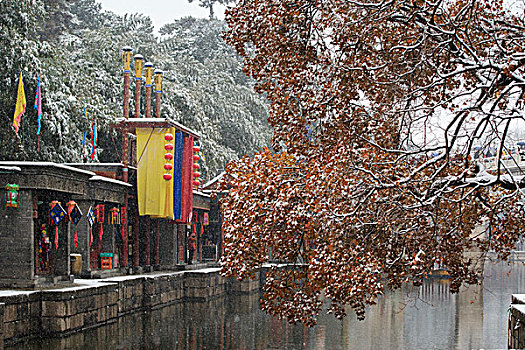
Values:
[(154, 194), (187, 180), (94, 140), (57, 213), (75, 215), (38, 106), (91, 219), (20, 104), (177, 185)]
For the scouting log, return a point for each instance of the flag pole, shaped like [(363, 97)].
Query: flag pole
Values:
[(20, 108), (23, 144)]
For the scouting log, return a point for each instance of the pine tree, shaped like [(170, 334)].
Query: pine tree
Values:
[(79, 61), (210, 3)]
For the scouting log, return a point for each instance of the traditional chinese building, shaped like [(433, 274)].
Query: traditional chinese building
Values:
[(117, 218), (37, 236)]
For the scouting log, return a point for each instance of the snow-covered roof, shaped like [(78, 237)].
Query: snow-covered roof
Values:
[(95, 164), (10, 168), (201, 194), (159, 120), (214, 180), (108, 179), (45, 164)]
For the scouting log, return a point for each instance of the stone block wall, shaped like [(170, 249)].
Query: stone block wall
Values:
[(77, 308), (245, 286), (16, 239), (2, 308), (52, 312), (162, 290), (203, 285), (21, 314), (516, 322), (130, 295)]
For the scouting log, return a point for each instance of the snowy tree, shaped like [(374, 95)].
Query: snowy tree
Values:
[(210, 3), (206, 89), (376, 108), (20, 53), (75, 48)]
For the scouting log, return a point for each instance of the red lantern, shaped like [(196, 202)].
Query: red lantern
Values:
[(196, 158), (168, 137), (196, 149), (168, 156), (123, 221), (168, 147), (196, 166), (167, 177), (196, 183), (168, 166), (100, 218), (100, 213), (196, 174), (123, 215)]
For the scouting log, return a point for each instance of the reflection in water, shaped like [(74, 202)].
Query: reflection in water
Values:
[(428, 317)]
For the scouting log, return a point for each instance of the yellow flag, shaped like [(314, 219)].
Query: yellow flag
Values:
[(20, 104), (155, 194)]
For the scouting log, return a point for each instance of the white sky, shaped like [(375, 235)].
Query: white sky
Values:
[(161, 11)]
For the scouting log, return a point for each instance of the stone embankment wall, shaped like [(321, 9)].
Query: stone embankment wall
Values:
[(96, 302), (516, 326)]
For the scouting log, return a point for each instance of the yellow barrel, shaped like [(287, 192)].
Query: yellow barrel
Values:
[(76, 264)]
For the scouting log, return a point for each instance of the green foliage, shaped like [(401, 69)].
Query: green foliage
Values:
[(76, 49)]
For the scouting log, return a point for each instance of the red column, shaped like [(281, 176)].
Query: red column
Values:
[(125, 155), (137, 97), (147, 248), (157, 104), (126, 95), (136, 239), (124, 251), (156, 260), (148, 101)]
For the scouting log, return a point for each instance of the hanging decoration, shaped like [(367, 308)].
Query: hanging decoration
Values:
[(57, 214), (20, 104), (86, 136), (51, 205), (206, 219), (94, 138), (123, 221), (168, 157), (12, 197), (114, 216), (202, 161), (91, 220), (75, 214), (43, 249), (99, 212), (177, 175), (196, 166), (38, 106)]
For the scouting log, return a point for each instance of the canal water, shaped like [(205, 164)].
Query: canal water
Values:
[(429, 317)]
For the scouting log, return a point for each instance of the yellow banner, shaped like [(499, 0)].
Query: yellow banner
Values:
[(20, 104), (155, 193)]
